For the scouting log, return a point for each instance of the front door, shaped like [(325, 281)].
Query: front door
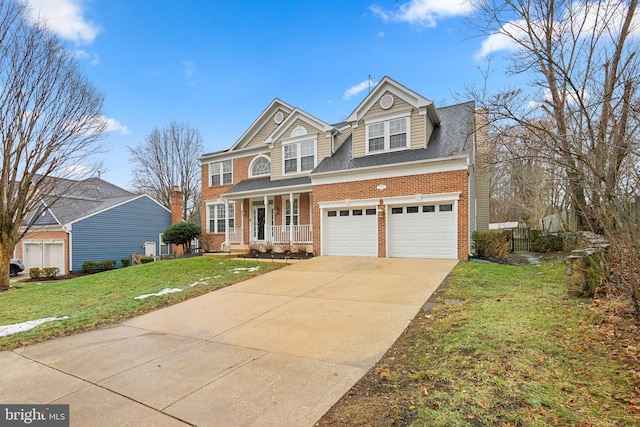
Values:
[(258, 223)]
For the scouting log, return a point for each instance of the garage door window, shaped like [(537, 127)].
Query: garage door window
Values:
[(371, 212), (356, 212), (344, 213), (396, 210), (412, 209), (429, 208), (332, 213), (446, 208)]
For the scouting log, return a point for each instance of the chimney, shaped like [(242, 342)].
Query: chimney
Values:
[(176, 205)]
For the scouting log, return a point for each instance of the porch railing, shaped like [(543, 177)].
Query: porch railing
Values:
[(236, 235), (282, 233)]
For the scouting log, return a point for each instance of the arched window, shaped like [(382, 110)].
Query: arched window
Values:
[(260, 166)]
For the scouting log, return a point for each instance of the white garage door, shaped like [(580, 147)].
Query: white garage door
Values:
[(423, 231), (350, 232), (42, 254)]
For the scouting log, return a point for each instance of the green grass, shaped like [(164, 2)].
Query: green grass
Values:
[(109, 297), (516, 352)]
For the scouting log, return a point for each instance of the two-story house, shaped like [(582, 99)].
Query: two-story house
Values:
[(398, 178)]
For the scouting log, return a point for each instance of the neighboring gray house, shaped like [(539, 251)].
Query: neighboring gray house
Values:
[(92, 220)]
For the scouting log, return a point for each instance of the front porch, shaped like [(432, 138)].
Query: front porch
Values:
[(274, 234)]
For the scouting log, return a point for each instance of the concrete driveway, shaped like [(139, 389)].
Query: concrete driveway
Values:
[(276, 350)]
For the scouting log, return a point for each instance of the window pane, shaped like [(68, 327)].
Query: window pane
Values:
[(306, 148), (398, 141), (226, 178), (371, 212), (446, 208), (397, 126), (306, 163), (376, 144), (429, 208), (215, 168), (290, 151), (331, 213), (215, 180), (396, 210), (226, 166), (221, 223), (261, 166), (344, 213), (290, 166), (412, 209), (357, 212), (376, 129)]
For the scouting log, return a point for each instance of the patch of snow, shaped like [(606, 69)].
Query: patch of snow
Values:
[(217, 277), (202, 281), (165, 291), (25, 326), (249, 269)]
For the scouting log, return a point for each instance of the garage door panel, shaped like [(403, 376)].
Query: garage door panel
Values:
[(350, 235), (431, 232)]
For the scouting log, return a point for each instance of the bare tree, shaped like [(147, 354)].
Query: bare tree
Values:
[(168, 157), (581, 108), (50, 122)]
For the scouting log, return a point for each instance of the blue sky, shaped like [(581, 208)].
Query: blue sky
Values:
[(217, 64)]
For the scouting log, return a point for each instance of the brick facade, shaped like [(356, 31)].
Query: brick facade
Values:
[(441, 182)]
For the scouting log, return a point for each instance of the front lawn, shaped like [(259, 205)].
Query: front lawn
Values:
[(110, 297), (514, 352)]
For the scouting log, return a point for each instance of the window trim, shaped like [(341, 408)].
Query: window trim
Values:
[(255, 159), (221, 174), (285, 200), (215, 218), (386, 120), (298, 140)]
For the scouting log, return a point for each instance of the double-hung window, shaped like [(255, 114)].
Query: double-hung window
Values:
[(221, 173), (299, 156), (388, 135), (218, 217), (291, 216)]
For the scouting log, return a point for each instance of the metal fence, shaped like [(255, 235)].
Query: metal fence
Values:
[(520, 239)]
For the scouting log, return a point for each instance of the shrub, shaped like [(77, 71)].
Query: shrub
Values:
[(488, 244), (125, 262), (89, 267), (255, 249), (546, 243), (35, 273), (50, 272), (146, 259), (107, 264)]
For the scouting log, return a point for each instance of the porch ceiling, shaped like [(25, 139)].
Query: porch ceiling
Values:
[(264, 186)]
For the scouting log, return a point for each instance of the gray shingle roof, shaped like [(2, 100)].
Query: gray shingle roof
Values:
[(452, 137), (71, 200), (255, 184)]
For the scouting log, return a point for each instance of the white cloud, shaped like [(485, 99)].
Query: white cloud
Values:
[(424, 12), (354, 90), (189, 68), (115, 126), (65, 18), (92, 57), (584, 17), (77, 171)]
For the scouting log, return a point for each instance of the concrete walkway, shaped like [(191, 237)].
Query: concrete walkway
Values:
[(276, 350)]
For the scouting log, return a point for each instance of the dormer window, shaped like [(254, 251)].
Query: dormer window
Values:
[(388, 133), (299, 154), (260, 166)]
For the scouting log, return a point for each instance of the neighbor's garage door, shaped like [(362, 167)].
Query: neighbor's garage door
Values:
[(350, 232), (42, 254), (423, 231)]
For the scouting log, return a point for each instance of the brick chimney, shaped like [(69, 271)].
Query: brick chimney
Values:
[(176, 205)]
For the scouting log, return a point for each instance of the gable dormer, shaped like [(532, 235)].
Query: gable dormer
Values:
[(391, 118), (269, 120), (299, 144)]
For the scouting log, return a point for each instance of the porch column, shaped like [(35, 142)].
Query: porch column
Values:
[(267, 220), (226, 221), (291, 217)]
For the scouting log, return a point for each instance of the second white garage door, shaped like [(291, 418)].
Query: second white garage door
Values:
[(423, 231), (350, 232)]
